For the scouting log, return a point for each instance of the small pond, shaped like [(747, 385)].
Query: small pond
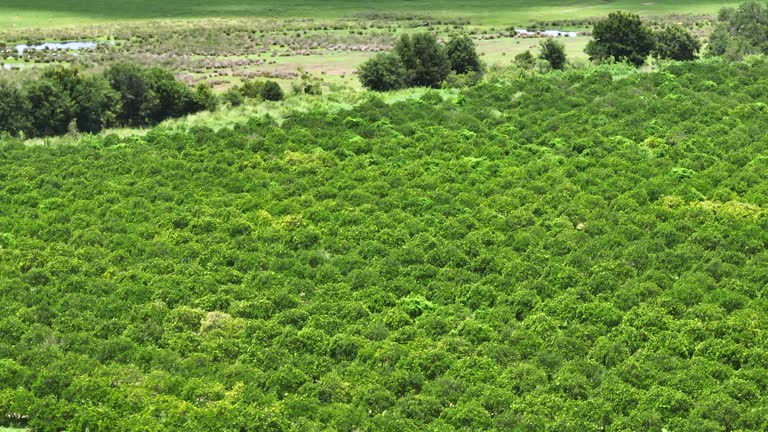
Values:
[(56, 46), (549, 33)]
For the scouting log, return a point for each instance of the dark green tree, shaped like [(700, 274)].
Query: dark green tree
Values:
[(676, 43), (15, 110), (623, 37), (149, 96), (95, 104), (252, 89), (53, 107), (383, 72), (204, 99), (136, 97), (425, 61), (62, 96), (740, 31), (462, 54), (272, 91), (553, 51), (174, 98)]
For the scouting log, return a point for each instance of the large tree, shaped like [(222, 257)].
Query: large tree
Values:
[(425, 61), (623, 37), (463, 56), (383, 72), (676, 43), (63, 97), (15, 110), (741, 31), (553, 51)]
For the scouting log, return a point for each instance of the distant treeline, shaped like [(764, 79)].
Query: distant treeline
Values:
[(64, 99)]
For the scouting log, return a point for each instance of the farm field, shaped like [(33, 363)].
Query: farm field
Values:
[(48, 13), (581, 250), (210, 222), (224, 43)]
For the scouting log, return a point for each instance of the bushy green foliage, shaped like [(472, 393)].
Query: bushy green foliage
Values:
[(252, 89), (462, 55), (418, 60), (621, 37), (64, 95), (676, 43), (272, 91), (425, 61), (15, 112), (525, 60), (553, 51), (575, 251), (65, 100), (383, 72), (741, 31)]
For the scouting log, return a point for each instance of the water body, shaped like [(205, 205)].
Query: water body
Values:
[(549, 33), (56, 46)]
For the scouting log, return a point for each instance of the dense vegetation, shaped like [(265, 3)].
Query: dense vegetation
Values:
[(553, 52), (624, 37), (563, 252), (621, 37), (741, 31), (419, 60), (63, 99), (676, 43)]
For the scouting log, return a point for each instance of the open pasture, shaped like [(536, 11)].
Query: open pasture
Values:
[(56, 13), (225, 42)]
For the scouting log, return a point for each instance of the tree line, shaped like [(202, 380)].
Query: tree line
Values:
[(419, 60), (740, 32), (65, 99)]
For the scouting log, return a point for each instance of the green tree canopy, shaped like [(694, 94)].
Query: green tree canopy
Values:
[(383, 72), (462, 54), (272, 91), (553, 51), (676, 43), (740, 31), (425, 61), (14, 109), (623, 37)]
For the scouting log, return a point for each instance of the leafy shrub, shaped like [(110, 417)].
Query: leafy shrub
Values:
[(622, 37), (272, 91), (740, 32), (553, 51), (383, 72), (676, 43), (425, 61), (463, 56)]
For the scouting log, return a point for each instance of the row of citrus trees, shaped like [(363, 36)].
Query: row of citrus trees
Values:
[(567, 251)]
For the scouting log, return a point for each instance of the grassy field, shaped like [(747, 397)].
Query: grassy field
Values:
[(51, 13), (224, 42)]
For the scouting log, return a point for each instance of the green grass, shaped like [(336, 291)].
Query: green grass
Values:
[(50, 13), (502, 51)]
